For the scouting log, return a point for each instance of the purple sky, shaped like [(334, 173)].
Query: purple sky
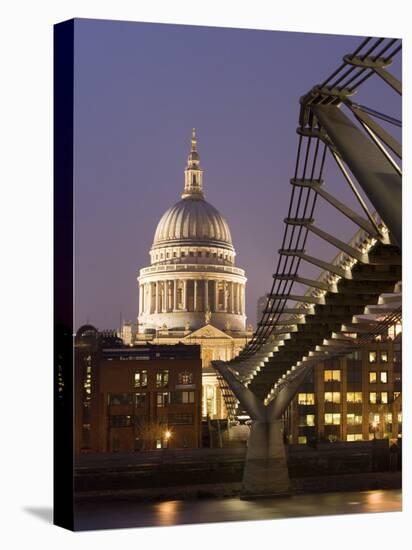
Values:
[(139, 89)]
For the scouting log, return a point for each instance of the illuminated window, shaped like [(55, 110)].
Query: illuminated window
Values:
[(162, 399), (332, 375), (372, 397), (384, 397), (302, 439), (306, 398), (372, 377), (139, 399), (353, 419), (158, 443), (310, 420), (162, 379), (396, 394), (384, 377), (388, 418), (374, 418), (372, 357), (332, 418), (307, 420), (140, 379), (332, 397), (384, 356), (354, 397), (354, 437), (188, 396)]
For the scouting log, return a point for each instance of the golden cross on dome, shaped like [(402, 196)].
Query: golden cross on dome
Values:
[(194, 141)]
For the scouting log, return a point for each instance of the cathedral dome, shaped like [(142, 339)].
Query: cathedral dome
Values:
[(193, 221)]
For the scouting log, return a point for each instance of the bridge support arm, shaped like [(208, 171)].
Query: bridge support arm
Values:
[(376, 176), (247, 399)]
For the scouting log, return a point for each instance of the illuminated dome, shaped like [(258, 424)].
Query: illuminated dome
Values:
[(193, 221), (192, 278)]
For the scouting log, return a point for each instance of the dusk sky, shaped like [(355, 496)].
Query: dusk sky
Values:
[(139, 90)]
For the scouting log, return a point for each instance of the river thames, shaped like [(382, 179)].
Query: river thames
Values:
[(105, 514)]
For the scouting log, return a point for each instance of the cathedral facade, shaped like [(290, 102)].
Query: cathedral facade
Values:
[(192, 291)]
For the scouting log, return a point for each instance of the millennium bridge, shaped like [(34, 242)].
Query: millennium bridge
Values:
[(356, 294)]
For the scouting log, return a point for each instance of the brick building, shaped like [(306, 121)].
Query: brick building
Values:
[(351, 398), (133, 398)]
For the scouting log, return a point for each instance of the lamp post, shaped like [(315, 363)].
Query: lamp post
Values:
[(374, 428)]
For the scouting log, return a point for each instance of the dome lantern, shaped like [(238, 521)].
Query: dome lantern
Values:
[(193, 173)]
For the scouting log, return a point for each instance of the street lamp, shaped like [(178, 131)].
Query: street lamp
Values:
[(168, 435), (375, 425)]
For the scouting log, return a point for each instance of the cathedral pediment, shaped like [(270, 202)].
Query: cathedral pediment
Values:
[(208, 331)]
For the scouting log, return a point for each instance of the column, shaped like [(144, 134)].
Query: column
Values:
[(195, 295), (242, 299), (164, 308), (232, 297), (174, 308), (216, 295), (185, 294), (149, 298), (225, 301), (206, 295), (140, 299), (157, 298), (169, 296)]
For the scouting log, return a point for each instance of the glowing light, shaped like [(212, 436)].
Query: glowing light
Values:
[(168, 434)]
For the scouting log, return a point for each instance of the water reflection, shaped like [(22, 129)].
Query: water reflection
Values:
[(106, 514)]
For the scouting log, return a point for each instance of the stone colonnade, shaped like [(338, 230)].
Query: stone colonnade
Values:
[(173, 295)]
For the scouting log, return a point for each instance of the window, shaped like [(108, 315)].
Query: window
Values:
[(388, 418), (120, 421), (188, 396), (139, 399), (374, 418), (384, 397), (180, 419), (140, 379), (185, 378), (353, 419), (307, 420), (372, 377), (332, 397), (332, 418), (302, 439), (372, 397), (306, 398), (332, 375), (354, 437), (191, 253), (354, 397), (310, 420), (162, 399), (384, 356), (120, 398), (383, 376), (162, 379), (372, 357)]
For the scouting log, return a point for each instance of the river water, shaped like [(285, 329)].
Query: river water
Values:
[(104, 514)]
